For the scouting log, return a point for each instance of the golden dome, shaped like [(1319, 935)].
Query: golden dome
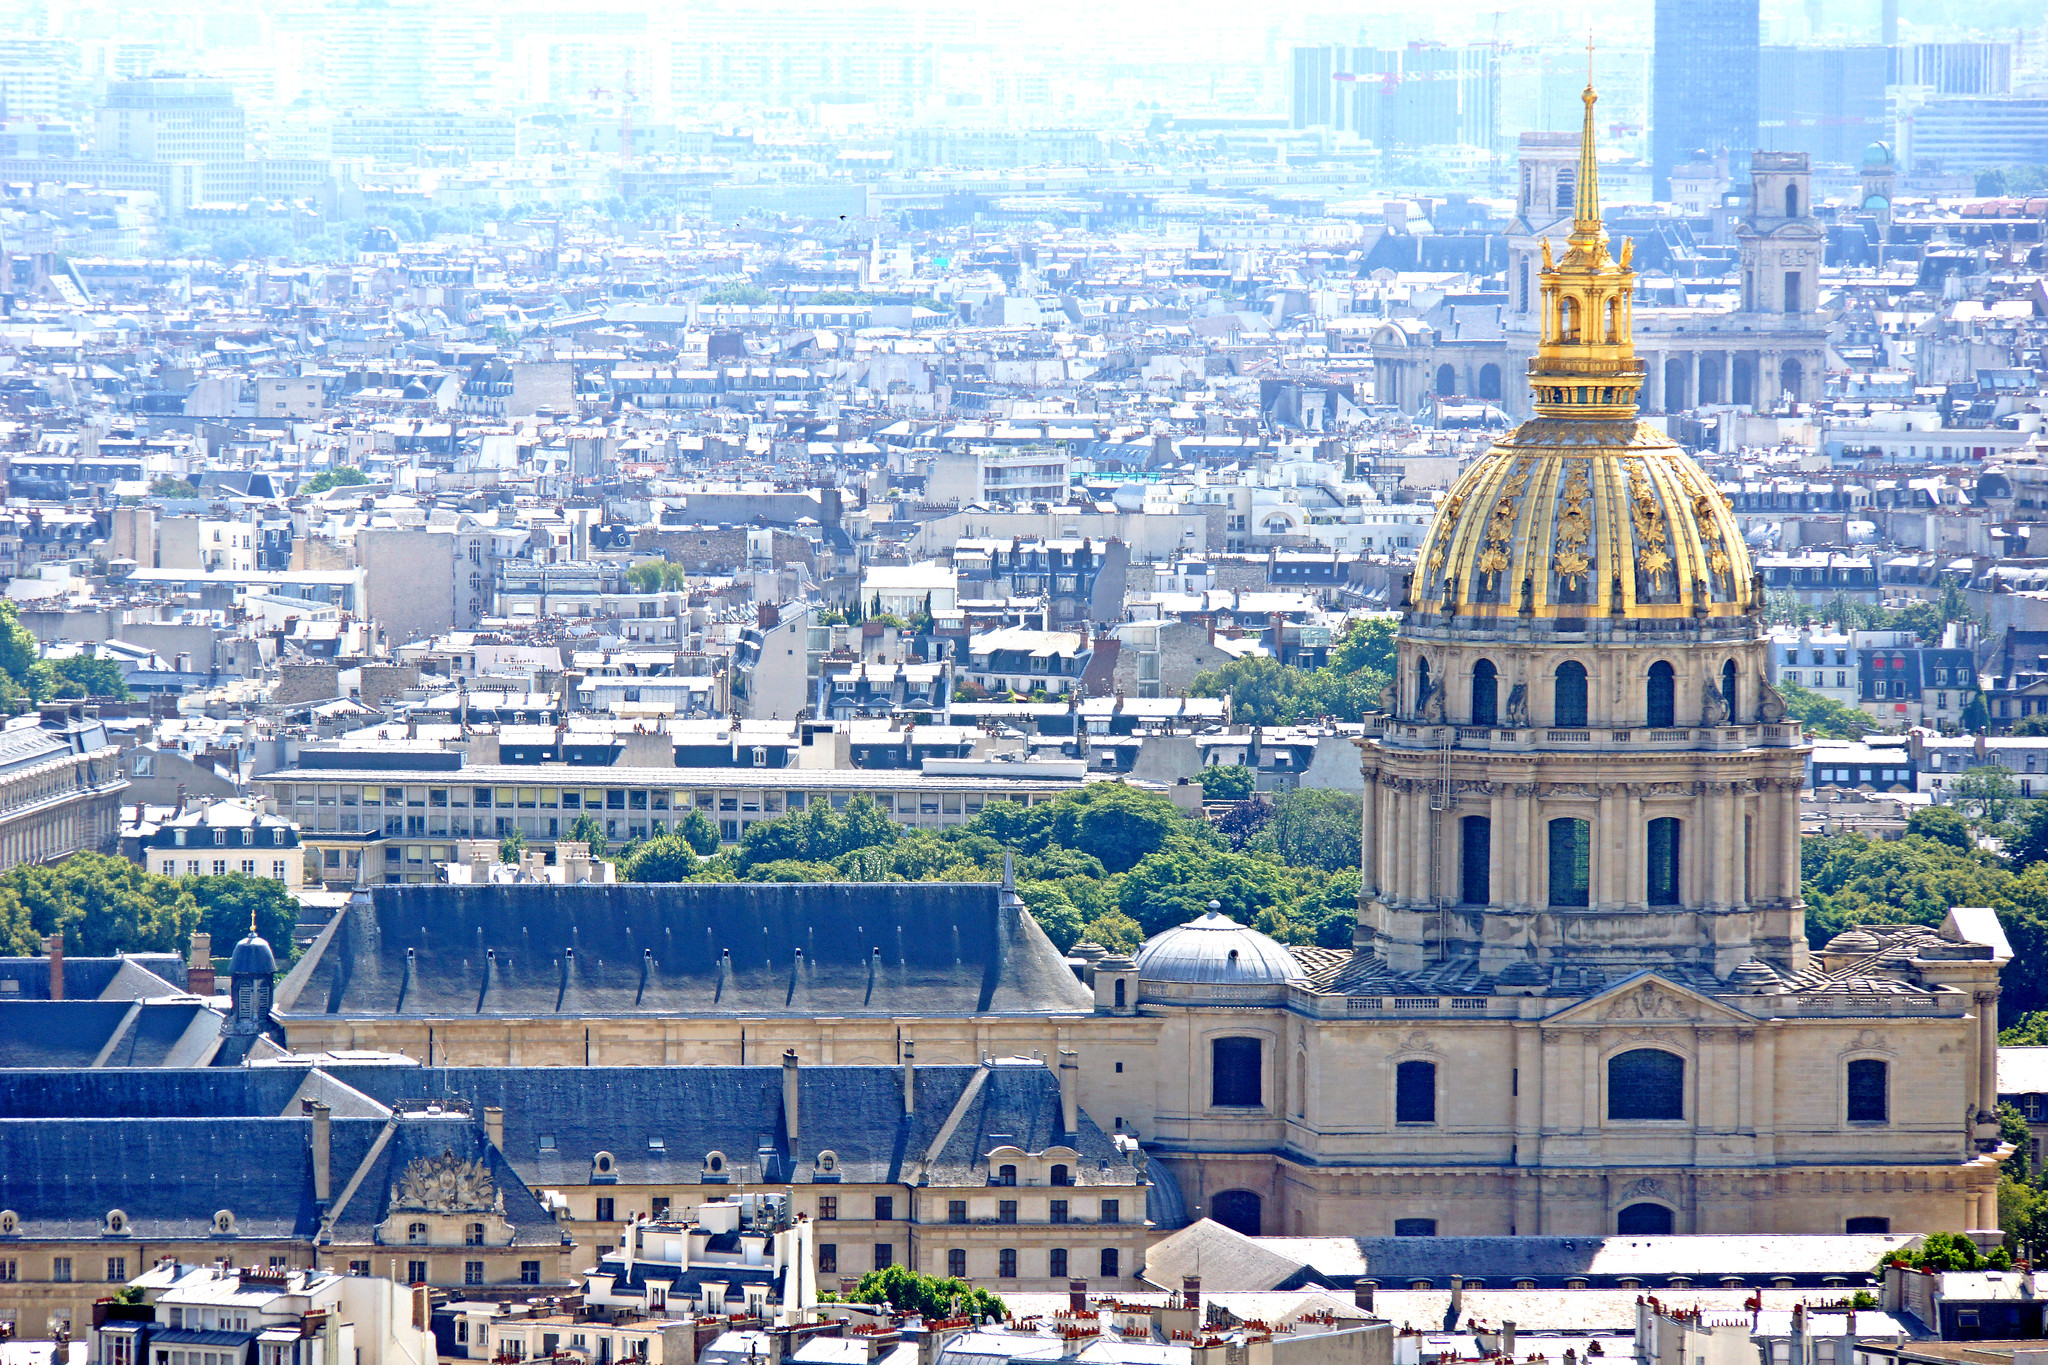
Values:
[(1583, 510)]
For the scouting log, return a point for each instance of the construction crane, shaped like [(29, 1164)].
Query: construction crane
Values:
[(625, 97)]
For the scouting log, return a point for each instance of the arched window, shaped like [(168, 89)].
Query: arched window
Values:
[(1421, 684), (1485, 694), (1006, 1175), (1648, 1220), (1489, 380), (1446, 381), (1791, 201), (1614, 319), (1567, 319), (416, 1234), (1237, 1210), (1062, 1175), (1475, 858), (1568, 697), (1646, 1083), (1661, 694), (1119, 992), (1415, 1092), (1663, 860), (1728, 692), (1234, 1073), (1869, 1088), (1571, 862)]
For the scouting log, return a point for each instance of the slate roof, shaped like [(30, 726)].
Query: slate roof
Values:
[(253, 1092), (63, 1176), (121, 1032), (915, 948), (87, 978), (1019, 1105)]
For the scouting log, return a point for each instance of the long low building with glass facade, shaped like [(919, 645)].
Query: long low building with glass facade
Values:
[(404, 820)]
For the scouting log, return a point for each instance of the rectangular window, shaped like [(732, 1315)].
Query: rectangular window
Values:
[(1571, 858), (472, 1272), (529, 1272), (117, 1270), (660, 1206), (956, 1210), (956, 1263), (604, 1208), (885, 1255), (1869, 1097), (1663, 867), (1056, 1263), (828, 1207), (1059, 1211), (60, 1269), (359, 1268), (1111, 1211), (885, 1208), (828, 1258), (1006, 1263), (1006, 1211), (1415, 1227), (415, 1272), (1109, 1263), (1475, 879)]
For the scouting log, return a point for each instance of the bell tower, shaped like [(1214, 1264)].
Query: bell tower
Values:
[(1780, 240)]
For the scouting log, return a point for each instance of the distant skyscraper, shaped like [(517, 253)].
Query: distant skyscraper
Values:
[(1704, 82)]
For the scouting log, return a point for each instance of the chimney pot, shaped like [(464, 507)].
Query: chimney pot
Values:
[(909, 1077), (323, 1152), (54, 945), (789, 1109)]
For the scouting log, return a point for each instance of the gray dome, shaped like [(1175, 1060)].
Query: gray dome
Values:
[(1216, 950), (1854, 941), (253, 957)]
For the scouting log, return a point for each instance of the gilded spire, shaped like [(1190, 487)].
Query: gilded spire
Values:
[(1586, 219), (1585, 364)]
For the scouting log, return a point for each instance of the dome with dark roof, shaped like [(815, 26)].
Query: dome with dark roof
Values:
[(1853, 941), (253, 957), (1877, 154), (1216, 950)]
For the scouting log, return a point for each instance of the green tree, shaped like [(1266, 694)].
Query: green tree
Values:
[(1174, 887), (78, 676), (511, 846), (1986, 792), (341, 476), (1115, 931), (1117, 824), (658, 575), (698, 832), (168, 487), (1054, 911), (2031, 1030), (230, 903), (1824, 716), (1261, 690), (1944, 825), (102, 905), (929, 1296), (1976, 717), (1227, 782), (588, 831), (1316, 827), (663, 858)]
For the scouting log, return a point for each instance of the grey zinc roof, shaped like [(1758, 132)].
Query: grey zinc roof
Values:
[(894, 948), (1503, 1260), (1216, 950)]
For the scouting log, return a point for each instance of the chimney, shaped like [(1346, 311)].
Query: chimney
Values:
[(789, 1100), (1507, 1338), (1457, 1297), (1077, 1296), (1191, 1294), (323, 1150), (54, 944), (199, 968), (494, 1126), (909, 1077), (1361, 1293), (1070, 1097)]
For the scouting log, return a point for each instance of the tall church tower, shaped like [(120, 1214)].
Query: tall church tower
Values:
[(1781, 245), (1585, 767)]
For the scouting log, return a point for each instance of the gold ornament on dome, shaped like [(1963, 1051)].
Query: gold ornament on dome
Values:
[(1493, 563), (1571, 567)]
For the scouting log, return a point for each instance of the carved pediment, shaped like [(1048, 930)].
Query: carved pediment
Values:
[(1646, 999), (446, 1184)]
